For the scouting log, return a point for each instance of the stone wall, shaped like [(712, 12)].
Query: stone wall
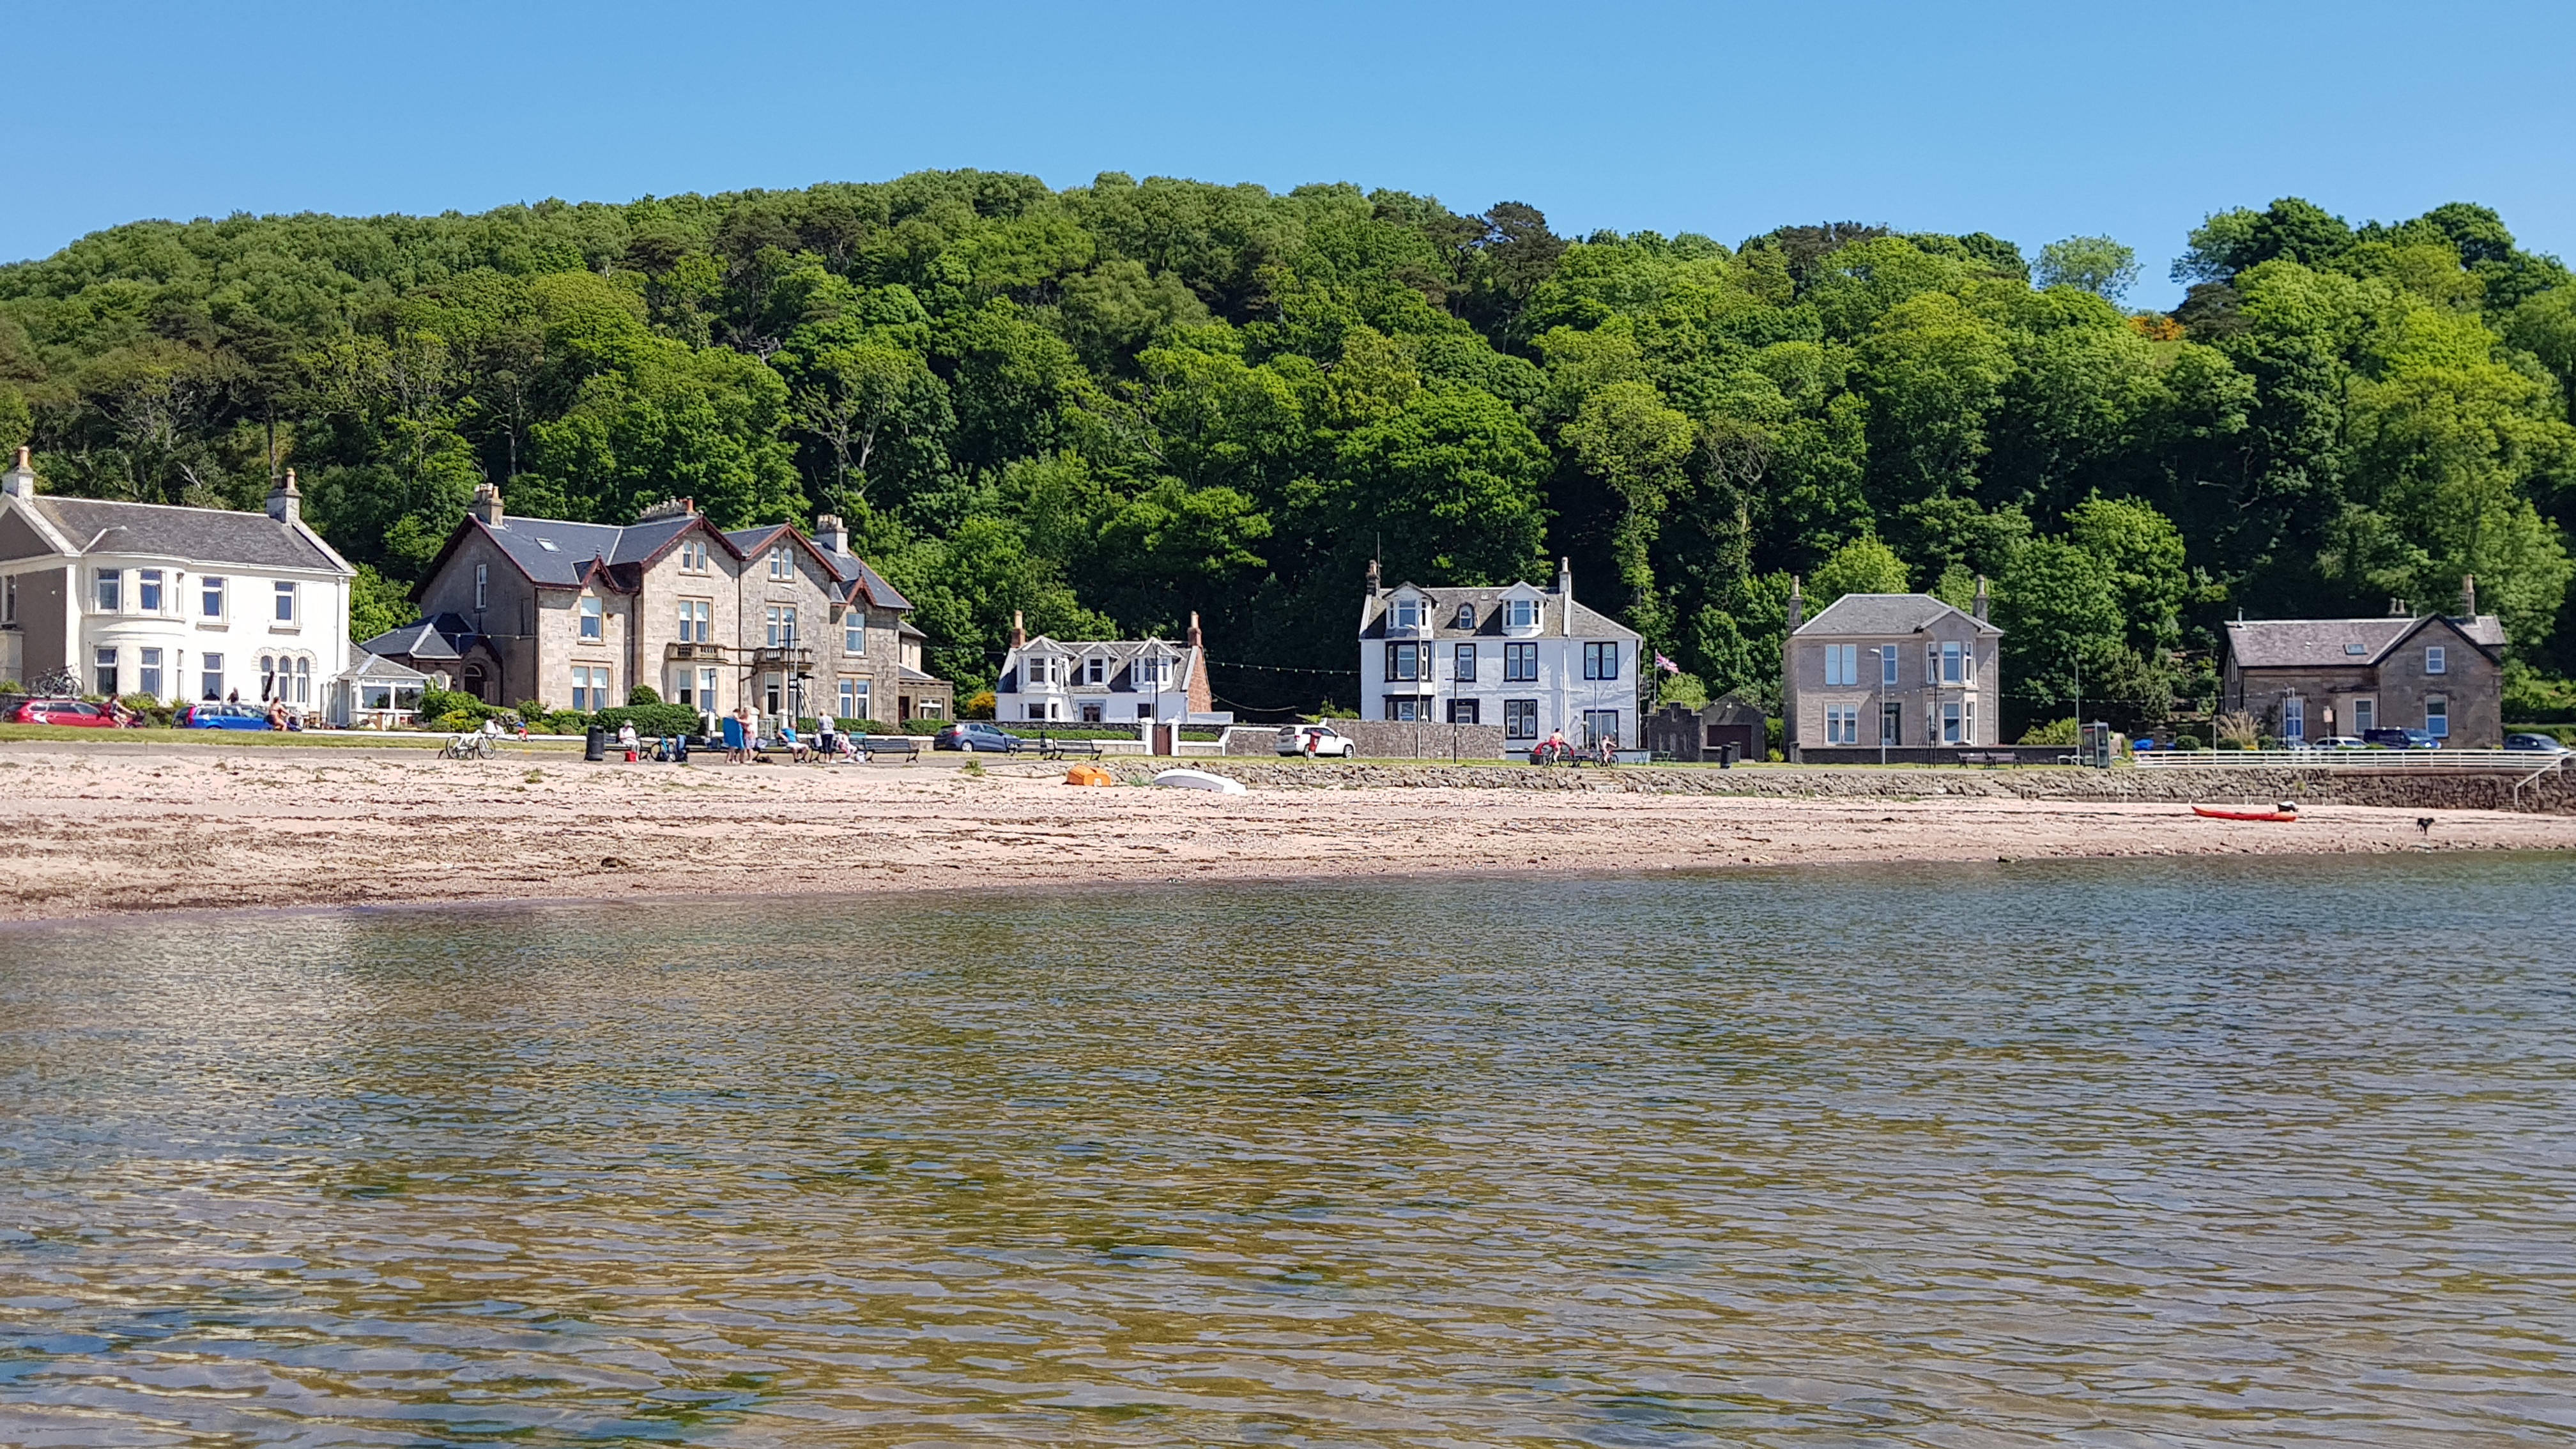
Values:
[(2401, 789), (1396, 740)]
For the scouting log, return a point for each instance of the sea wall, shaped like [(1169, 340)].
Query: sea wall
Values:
[(2403, 789)]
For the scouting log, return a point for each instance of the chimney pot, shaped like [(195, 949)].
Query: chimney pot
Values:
[(487, 504), (285, 504), (1981, 605), (1195, 641), (2469, 596), (1019, 631), (19, 482)]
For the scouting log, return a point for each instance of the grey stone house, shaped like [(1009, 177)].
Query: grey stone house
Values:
[(2308, 679), (1901, 673), (577, 614)]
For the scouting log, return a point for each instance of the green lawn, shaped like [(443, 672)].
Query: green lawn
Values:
[(258, 739)]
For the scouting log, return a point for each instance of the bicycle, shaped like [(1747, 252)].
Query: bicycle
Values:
[(477, 746)]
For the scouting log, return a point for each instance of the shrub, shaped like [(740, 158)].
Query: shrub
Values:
[(643, 694), (2238, 727), (534, 709), (456, 722), (441, 704), (651, 720), (565, 722), (2189, 742), (978, 705), (2055, 732)]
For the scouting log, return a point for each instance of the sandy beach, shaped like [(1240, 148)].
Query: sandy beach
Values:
[(198, 828)]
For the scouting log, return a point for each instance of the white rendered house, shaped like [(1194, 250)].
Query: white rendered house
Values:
[(1529, 659), (1105, 681), (181, 604)]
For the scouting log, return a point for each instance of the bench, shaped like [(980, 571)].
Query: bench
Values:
[(880, 746), (1987, 757), (1047, 747)]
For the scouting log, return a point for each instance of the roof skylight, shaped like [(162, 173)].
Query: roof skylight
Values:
[(547, 544)]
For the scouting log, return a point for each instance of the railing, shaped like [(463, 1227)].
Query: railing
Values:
[(2519, 761)]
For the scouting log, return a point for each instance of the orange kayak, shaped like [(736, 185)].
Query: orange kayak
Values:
[(2285, 812)]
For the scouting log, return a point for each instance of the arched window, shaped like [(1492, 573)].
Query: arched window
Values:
[(303, 681), (475, 683)]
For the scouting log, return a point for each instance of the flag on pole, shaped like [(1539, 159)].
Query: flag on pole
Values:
[(1666, 665)]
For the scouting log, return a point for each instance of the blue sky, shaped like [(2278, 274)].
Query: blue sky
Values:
[(2029, 121)]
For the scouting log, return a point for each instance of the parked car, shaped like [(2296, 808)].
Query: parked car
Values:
[(972, 736), (78, 713), (213, 715), (2401, 739), (2537, 744), (2338, 742), (1329, 743)]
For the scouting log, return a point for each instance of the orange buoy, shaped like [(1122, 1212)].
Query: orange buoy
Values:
[(1089, 775)]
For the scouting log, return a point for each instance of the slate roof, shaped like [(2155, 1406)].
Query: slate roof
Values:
[(863, 583), (445, 637), (205, 535), (1122, 654), (2340, 643), (555, 552), (376, 667), (1565, 615), (1885, 614)]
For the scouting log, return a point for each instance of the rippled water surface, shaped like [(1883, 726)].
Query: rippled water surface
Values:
[(2099, 1155)]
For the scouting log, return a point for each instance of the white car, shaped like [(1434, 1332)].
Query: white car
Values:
[(1326, 742)]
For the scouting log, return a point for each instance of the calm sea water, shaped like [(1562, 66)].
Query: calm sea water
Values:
[(2054, 1154)]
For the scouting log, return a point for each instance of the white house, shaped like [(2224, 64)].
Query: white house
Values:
[(1529, 659), (177, 603), (1105, 681)]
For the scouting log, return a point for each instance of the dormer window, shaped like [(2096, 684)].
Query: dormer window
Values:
[(1466, 616), (1152, 672), (1095, 671), (1408, 613), (1522, 613)]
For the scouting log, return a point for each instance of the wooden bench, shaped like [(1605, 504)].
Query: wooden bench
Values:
[(1987, 757), (880, 746)]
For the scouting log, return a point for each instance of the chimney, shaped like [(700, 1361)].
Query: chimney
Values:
[(1979, 608), (1377, 584), (831, 535), (1195, 641), (19, 482), (487, 504), (1019, 632), (285, 504), (1565, 577), (669, 508), (1797, 604), (2396, 609), (2468, 596)]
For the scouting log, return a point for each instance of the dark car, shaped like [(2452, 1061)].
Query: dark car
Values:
[(2537, 744), (972, 736), (2401, 739), (79, 713), (213, 715)]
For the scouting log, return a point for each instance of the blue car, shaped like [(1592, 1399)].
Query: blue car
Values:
[(2395, 739), (216, 716)]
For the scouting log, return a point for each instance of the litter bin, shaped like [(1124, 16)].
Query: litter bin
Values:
[(1726, 756), (595, 745)]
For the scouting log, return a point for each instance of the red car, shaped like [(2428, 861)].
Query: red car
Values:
[(63, 712)]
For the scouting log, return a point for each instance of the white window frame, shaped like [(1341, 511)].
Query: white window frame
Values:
[(147, 672), (593, 626), (1523, 614), (2437, 707), (150, 596), (482, 585), (2294, 718), (210, 676), (2365, 715), (1954, 669), (212, 587), (107, 590), (1408, 613), (1886, 665), (854, 631), (289, 607), (1950, 722), (2437, 660), (782, 566)]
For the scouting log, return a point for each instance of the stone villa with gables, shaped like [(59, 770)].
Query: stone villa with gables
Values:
[(577, 614)]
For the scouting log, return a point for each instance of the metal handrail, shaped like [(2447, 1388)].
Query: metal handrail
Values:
[(2364, 759)]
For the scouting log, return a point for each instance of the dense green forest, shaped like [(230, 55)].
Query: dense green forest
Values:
[(1112, 405)]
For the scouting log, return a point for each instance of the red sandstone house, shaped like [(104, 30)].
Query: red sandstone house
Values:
[(2309, 679)]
